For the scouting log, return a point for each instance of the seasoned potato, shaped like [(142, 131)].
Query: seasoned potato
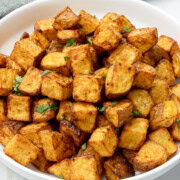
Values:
[(66, 19), (31, 82), (94, 58), (129, 155), (141, 100), (159, 91), (175, 130), (174, 98), (162, 137), (102, 72), (3, 60), (88, 88), (55, 46), (100, 141), (117, 167), (21, 150), (31, 132), (56, 86), (3, 111), (119, 80), (150, 156), (176, 64), (175, 90), (19, 108), (163, 115), (143, 39), (134, 134)]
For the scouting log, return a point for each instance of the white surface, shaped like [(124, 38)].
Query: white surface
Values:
[(22, 20)]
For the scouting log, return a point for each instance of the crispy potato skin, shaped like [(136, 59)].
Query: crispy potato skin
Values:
[(3, 60), (129, 155), (175, 131), (176, 64), (3, 111), (175, 90)]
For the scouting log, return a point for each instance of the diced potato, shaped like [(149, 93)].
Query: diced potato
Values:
[(56, 146), (134, 134), (142, 101), (175, 90), (174, 98), (129, 155), (55, 46), (3, 60), (88, 88), (175, 130), (117, 167), (150, 156), (94, 58), (145, 75), (176, 64), (7, 77), (66, 19), (159, 91), (162, 137), (46, 27), (102, 72), (3, 111), (118, 112), (119, 80), (84, 116), (31, 82), (163, 115), (143, 39), (21, 150), (104, 141), (19, 108), (56, 86), (164, 71), (26, 53), (31, 132)]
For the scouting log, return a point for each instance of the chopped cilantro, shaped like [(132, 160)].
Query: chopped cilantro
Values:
[(42, 108), (178, 122), (104, 77), (89, 40), (15, 87), (66, 58), (61, 176), (62, 117), (125, 28), (90, 72), (71, 77), (136, 113), (71, 42), (101, 109), (94, 16), (114, 103), (47, 71), (83, 146)]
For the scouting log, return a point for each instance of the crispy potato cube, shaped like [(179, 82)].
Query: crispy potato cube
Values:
[(3, 111), (21, 150), (55, 46), (3, 60), (118, 112), (134, 134), (129, 155), (84, 168), (164, 71), (141, 100), (175, 90), (168, 45), (56, 61), (66, 19), (162, 137), (70, 129), (84, 116), (26, 53), (19, 108), (88, 88), (174, 98), (99, 140), (7, 77), (163, 115), (31, 132), (62, 167), (94, 58), (159, 91), (49, 113), (117, 167), (176, 64), (56, 86), (150, 156), (102, 72), (143, 39), (119, 80), (56, 146), (145, 75), (8, 129), (31, 82), (46, 27), (87, 22), (175, 130)]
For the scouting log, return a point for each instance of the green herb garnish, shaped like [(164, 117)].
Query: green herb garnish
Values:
[(66, 58), (71, 77), (89, 40), (104, 77), (90, 72), (62, 117), (178, 122), (125, 28), (42, 108), (136, 113), (47, 71), (15, 87), (101, 109), (94, 16), (83, 146), (61, 176), (114, 103), (71, 42), (80, 28)]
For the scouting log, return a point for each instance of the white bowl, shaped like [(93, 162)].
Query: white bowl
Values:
[(140, 13)]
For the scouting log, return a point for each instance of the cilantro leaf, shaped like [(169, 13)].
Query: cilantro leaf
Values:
[(66, 58), (136, 113), (71, 42), (178, 122), (71, 77), (83, 146), (125, 28), (61, 176), (42, 108), (94, 16), (89, 40), (101, 109), (80, 28), (90, 72), (114, 103), (17, 82), (104, 77), (47, 71), (62, 117)]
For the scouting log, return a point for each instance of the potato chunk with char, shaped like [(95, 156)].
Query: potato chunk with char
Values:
[(134, 134), (3, 111), (56, 86), (175, 130), (150, 156), (175, 90), (88, 88), (119, 80), (102, 72), (3, 60), (143, 39), (104, 141), (176, 64), (141, 100), (129, 155), (19, 108), (21, 150)]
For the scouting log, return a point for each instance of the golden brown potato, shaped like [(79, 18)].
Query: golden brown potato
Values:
[(145, 75), (143, 39), (3, 111), (66, 19), (134, 134), (88, 88), (175, 130), (102, 72), (19, 108), (175, 90), (174, 98), (162, 137), (94, 58), (129, 155), (3, 60), (150, 156), (163, 115), (119, 80), (142, 101), (100, 141), (21, 150), (55, 46), (176, 64)]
